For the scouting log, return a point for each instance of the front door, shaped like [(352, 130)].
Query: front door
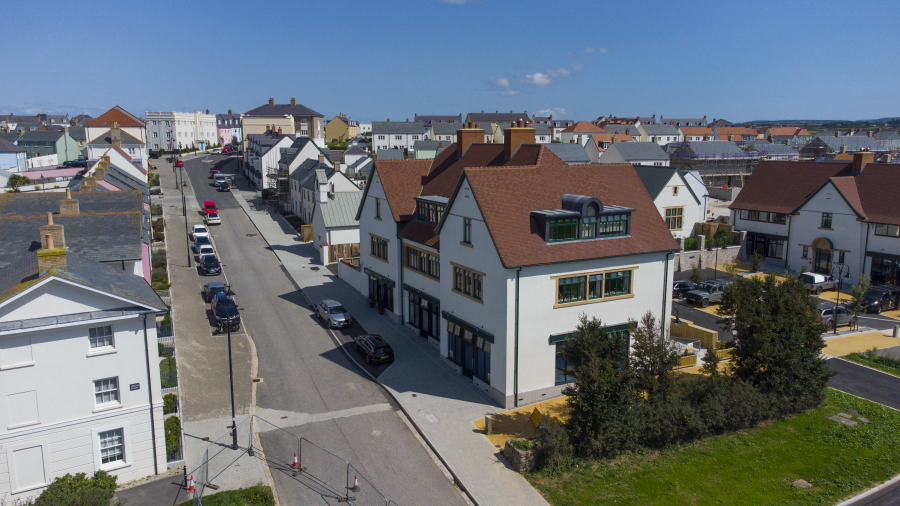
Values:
[(468, 359), (823, 261)]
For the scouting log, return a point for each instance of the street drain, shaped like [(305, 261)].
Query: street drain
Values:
[(313, 268), (252, 235)]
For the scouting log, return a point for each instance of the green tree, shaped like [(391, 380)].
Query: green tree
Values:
[(603, 396), (857, 305), (653, 357), (697, 275), (778, 339), (79, 490), (17, 180), (711, 365), (756, 261)]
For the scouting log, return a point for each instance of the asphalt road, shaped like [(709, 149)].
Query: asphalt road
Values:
[(864, 382), (306, 377)]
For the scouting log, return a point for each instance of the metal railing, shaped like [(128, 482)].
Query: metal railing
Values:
[(164, 329)]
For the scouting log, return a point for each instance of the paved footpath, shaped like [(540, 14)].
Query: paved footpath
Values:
[(440, 402)]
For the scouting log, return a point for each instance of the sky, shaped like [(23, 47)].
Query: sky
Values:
[(383, 59)]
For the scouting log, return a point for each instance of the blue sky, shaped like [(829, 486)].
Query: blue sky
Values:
[(391, 59)]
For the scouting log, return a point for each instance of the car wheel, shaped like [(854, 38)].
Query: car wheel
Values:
[(818, 290), (705, 303)]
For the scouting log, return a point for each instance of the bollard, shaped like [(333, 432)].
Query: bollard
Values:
[(488, 425), (896, 330)]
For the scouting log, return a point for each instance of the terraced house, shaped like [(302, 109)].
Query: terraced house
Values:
[(492, 251)]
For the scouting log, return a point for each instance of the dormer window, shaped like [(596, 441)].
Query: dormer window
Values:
[(583, 218), (430, 209)]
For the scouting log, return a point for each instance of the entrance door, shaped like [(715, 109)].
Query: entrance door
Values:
[(823, 261), (468, 358)]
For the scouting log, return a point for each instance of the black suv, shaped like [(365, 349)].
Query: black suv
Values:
[(225, 311), (209, 265), (880, 298), (680, 288), (374, 348)]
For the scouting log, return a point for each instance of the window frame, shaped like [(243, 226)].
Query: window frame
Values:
[(467, 231), (829, 219), (116, 390), (886, 229), (589, 295), (375, 247), (93, 338), (673, 219), (112, 433), (468, 282)]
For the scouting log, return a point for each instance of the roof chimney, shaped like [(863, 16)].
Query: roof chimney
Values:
[(55, 232), (860, 160), (614, 139), (293, 101), (515, 136), (52, 255), (731, 137), (90, 183), (207, 111), (115, 135), (321, 157), (465, 136), (837, 133), (68, 205), (229, 112), (279, 130), (271, 101), (337, 167)]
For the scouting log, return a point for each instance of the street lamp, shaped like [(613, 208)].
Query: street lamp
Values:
[(709, 247), (184, 212), (843, 273), (234, 441)]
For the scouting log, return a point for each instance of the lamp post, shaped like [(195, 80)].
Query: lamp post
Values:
[(234, 438), (843, 272), (709, 247), (184, 213)]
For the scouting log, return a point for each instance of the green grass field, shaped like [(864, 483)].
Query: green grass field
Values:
[(754, 467)]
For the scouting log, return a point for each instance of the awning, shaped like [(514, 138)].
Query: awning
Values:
[(558, 338), (885, 256), (478, 331), (767, 236), (380, 277), (430, 298)]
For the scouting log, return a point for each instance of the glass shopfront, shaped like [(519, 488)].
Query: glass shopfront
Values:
[(424, 314), (470, 349)]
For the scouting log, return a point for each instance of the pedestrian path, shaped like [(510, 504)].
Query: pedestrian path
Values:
[(441, 403)]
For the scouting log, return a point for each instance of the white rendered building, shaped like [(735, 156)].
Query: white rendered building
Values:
[(178, 130)]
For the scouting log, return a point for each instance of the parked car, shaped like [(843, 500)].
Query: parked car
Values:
[(209, 207), (227, 149), (880, 298), (219, 178), (205, 251), (154, 155), (209, 265), (225, 311), (375, 349), (815, 283), (199, 230), (213, 219), (828, 313), (215, 151), (75, 163), (210, 290), (709, 291), (333, 314), (179, 163), (223, 186), (679, 288), (203, 240), (213, 172)]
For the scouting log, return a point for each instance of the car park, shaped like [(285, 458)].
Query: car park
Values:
[(179, 163), (199, 230), (213, 219), (680, 288), (709, 291), (209, 207), (209, 265), (374, 348), (225, 311), (829, 313), (333, 314), (203, 240), (210, 290)]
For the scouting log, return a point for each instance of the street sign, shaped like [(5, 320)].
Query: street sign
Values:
[(536, 418), (135, 386)]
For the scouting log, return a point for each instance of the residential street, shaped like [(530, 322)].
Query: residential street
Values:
[(864, 382)]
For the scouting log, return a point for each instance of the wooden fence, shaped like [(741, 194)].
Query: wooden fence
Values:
[(709, 339), (306, 233), (686, 361)]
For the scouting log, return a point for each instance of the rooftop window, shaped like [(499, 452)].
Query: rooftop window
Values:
[(583, 218), (429, 212)]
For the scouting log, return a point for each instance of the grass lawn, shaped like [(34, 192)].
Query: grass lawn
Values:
[(886, 364), (259, 495), (754, 467)]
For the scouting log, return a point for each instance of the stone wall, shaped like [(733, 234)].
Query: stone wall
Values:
[(518, 459), (717, 192), (687, 260)]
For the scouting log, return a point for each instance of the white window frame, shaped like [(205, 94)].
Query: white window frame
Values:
[(125, 427), (103, 406), (91, 339)]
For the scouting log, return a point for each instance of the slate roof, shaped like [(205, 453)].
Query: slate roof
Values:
[(621, 129), (638, 151), (26, 204), (431, 145), (103, 237), (484, 117), (18, 276), (570, 152), (282, 109), (783, 187), (82, 119), (390, 154), (222, 118), (884, 135), (78, 133), (41, 136), (397, 127), (8, 147), (710, 148), (306, 168), (701, 122), (24, 120), (354, 150), (10, 137), (656, 178), (434, 120), (340, 209), (117, 115), (446, 128), (854, 143), (105, 139), (772, 148), (658, 130)]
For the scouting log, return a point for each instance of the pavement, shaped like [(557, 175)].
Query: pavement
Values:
[(439, 402)]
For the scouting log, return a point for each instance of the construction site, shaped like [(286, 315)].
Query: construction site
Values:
[(717, 169)]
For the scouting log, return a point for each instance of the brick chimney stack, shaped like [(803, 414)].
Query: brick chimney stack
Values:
[(54, 231), (68, 205), (465, 136), (293, 101), (207, 111), (229, 112), (51, 256), (90, 183), (860, 160), (321, 158), (271, 101), (115, 135), (279, 130), (517, 134), (337, 167)]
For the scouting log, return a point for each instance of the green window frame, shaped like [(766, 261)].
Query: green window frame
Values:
[(571, 289), (564, 230), (612, 225), (589, 227), (617, 283), (595, 286)]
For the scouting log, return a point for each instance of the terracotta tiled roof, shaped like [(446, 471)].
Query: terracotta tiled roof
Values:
[(787, 131), (600, 138), (847, 186), (879, 185), (724, 132), (117, 115), (402, 181), (422, 233), (507, 195), (585, 126), (696, 131)]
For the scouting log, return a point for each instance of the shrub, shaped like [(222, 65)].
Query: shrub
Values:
[(79, 490), (697, 275), (159, 275), (173, 437), (521, 444), (156, 209), (553, 449), (168, 373), (170, 403), (691, 243)]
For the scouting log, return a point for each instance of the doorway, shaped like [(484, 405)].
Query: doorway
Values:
[(823, 261)]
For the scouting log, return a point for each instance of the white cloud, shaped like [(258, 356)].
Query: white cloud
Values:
[(502, 82), (578, 67), (589, 50), (603, 50), (538, 79), (560, 72), (556, 111), (511, 93)]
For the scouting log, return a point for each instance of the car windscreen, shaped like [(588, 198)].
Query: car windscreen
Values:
[(336, 310), (705, 286), (210, 261), (873, 294), (210, 206), (213, 215), (203, 240), (225, 303)]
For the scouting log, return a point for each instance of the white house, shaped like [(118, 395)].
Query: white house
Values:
[(319, 181), (365, 128), (498, 264), (675, 198), (832, 218), (660, 134), (177, 130), (78, 371), (12, 157), (396, 135), (129, 125), (263, 152), (335, 227), (228, 127)]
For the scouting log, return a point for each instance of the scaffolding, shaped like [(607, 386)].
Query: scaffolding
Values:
[(717, 170), (278, 184)]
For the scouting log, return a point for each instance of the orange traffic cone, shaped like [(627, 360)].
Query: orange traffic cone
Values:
[(191, 484), (355, 487), (296, 464)]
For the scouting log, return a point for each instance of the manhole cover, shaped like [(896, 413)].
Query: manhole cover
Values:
[(251, 235), (313, 268)]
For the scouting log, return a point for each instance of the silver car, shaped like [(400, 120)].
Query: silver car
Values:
[(827, 313), (332, 314)]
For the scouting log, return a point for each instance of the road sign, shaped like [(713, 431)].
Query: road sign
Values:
[(536, 418)]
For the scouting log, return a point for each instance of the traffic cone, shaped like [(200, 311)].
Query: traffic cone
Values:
[(296, 464), (191, 484), (355, 487)]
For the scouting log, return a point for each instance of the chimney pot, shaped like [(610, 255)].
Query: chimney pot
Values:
[(207, 111), (279, 130), (49, 218), (229, 111), (293, 101), (271, 101), (49, 239)]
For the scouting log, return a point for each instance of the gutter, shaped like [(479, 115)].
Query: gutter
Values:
[(865, 253), (787, 251), (516, 346), (666, 291), (150, 397)]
